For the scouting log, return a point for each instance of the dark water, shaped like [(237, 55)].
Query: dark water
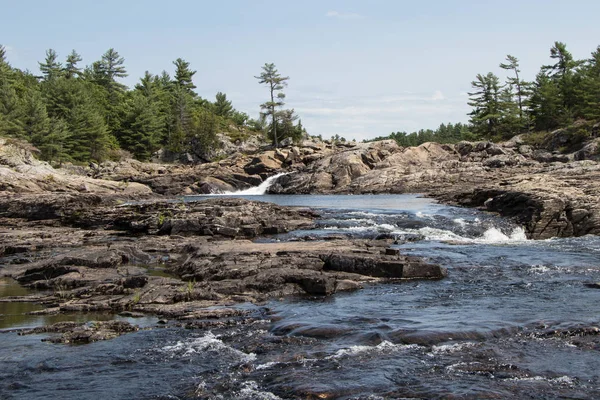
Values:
[(514, 319)]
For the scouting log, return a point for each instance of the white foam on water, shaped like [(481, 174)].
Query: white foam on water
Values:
[(539, 269), (420, 214), (452, 348), (461, 222), (351, 228), (254, 191), (494, 235), (490, 236), (366, 214), (251, 391), (201, 345), (561, 380), (374, 228), (266, 365), (383, 347), (438, 234)]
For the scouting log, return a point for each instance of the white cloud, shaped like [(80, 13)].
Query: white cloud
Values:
[(438, 95), (343, 15), (363, 117)]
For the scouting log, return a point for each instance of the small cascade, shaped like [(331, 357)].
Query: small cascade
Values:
[(257, 190)]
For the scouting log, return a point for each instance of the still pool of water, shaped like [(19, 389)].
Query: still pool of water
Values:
[(514, 319)]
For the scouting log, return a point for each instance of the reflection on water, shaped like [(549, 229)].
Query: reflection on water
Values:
[(14, 314), (158, 270)]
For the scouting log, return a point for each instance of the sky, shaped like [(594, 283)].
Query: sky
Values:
[(358, 69)]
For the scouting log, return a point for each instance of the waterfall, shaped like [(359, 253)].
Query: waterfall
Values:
[(257, 190)]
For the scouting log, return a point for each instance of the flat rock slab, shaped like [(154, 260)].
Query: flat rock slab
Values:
[(89, 254)]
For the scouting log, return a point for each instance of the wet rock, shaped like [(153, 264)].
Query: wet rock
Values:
[(406, 267), (134, 282), (346, 285), (77, 333)]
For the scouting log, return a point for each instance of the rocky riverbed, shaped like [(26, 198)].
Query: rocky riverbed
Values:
[(71, 234), (86, 253)]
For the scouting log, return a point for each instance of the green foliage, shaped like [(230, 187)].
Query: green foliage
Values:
[(222, 106), (570, 138), (546, 104), (184, 75), (286, 128), (142, 127), (82, 114), (71, 68), (239, 118), (90, 139), (563, 91), (445, 133), (275, 82), (11, 113), (51, 68), (486, 100), (202, 135)]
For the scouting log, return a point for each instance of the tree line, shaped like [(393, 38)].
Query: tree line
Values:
[(75, 113), (562, 92)]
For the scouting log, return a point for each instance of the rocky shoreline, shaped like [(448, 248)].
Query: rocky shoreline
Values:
[(89, 238), (87, 253)]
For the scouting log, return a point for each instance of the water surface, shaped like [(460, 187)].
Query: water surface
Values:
[(514, 319)]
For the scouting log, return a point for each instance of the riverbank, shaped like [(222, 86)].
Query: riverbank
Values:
[(87, 253), (550, 193), (77, 238)]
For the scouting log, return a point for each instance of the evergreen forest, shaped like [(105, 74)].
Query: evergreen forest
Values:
[(564, 91), (76, 113)]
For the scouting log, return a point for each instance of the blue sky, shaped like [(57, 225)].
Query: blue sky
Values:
[(359, 69)]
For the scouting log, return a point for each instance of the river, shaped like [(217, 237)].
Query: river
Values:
[(515, 318)]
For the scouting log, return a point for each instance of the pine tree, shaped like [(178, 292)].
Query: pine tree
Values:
[(52, 145), (486, 100), (286, 127), (78, 103), (589, 91), (90, 139), (222, 106), (516, 82), (36, 124), (11, 112), (563, 73), (71, 68), (183, 76), (51, 68), (202, 135), (510, 122), (275, 82), (240, 118), (180, 127), (546, 104), (142, 127), (4, 66), (112, 67), (147, 84)]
